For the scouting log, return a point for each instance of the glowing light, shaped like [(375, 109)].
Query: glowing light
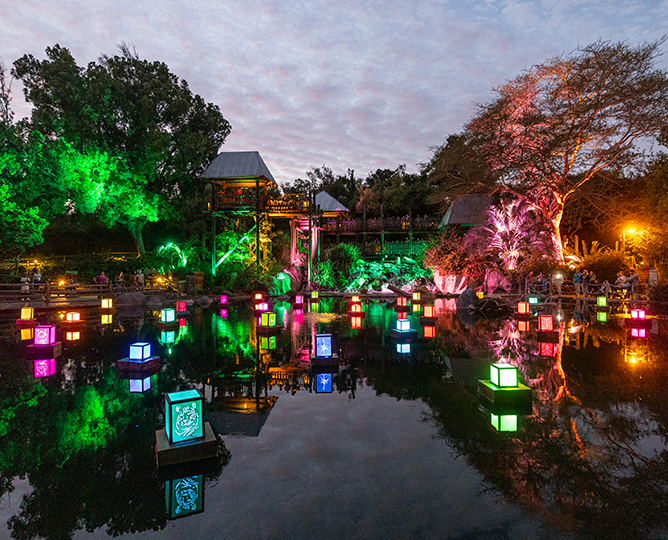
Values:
[(268, 343), (323, 346), (45, 335), (183, 416), (402, 315), (480, 294), (299, 299), (167, 337), (323, 383), (223, 299), (545, 323), (601, 316), (523, 308), (638, 332), (601, 301), (523, 326), (355, 298), (356, 308), (547, 349), (314, 295), (106, 319), (258, 296), (416, 297), (356, 322), (73, 336), (417, 307), (503, 375), (268, 319), (429, 332), (533, 300), (140, 385), (402, 301), (44, 368), (429, 311), (403, 325), (26, 333), (140, 351), (167, 315), (181, 307), (107, 303), (262, 306), (27, 313), (73, 316), (638, 314), (223, 314), (403, 348), (504, 422)]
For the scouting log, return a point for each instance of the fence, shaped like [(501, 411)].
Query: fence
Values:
[(49, 292)]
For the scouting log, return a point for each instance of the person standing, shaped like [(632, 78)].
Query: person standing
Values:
[(577, 281), (585, 281), (634, 279), (140, 279)]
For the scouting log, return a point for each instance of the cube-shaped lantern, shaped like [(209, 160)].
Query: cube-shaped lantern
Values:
[(504, 422), (545, 323), (185, 496), (402, 301), (167, 315), (638, 314), (523, 307), (167, 337), (268, 319), (638, 332), (140, 385), (45, 335), (261, 306), (140, 351), (181, 307), (601, 301), (601, 316), (268, 343), (223, 299), (44, 368), (183, 416), (402, 315), (27, 313), (107, 319), (299, 299), (355, 298), (429, 311), (356, 308), (416, 297), (223, 314), (547, 349), (523, 326), (403, 325), (323, 346), (258, 296), (480, 294), (72, 336), (417, 308), (429, 332), (183, 323), (356, 322), (314, 295), (323, 383), (26, 333), (107, 303), (533, 300), (73, 316), (403, 348), (503, 375)]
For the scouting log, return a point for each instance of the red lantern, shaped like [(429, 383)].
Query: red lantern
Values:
[(545, 323)]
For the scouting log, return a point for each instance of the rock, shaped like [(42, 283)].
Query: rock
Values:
[(204, 301)]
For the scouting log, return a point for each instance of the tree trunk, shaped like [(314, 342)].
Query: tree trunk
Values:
[(136, 228), (555, 223)]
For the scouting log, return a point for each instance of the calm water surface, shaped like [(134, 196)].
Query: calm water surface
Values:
[(403, 446)]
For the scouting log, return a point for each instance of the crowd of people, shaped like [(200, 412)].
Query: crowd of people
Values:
[(135, 280), (585, 283)]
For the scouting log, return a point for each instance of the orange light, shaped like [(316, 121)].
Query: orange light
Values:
[(356, 308), (429, 312), (523, 326), (73, 336), (429, 332), (73, 316), (355, 298), (356, 322), (258, 296), (401, 301), (523, 308), (545, 323)]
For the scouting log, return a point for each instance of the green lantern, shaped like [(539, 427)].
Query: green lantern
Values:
[(183, 416), (601, 301), (268, 319), (268, 343), (504, 375), (504, 422), (602, 316)]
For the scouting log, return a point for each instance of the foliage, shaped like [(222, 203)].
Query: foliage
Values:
[(448, 255), (134, 136), (323, 275), (658, 292), (553, 128), (344, 188), (605, 264), (344, 258)]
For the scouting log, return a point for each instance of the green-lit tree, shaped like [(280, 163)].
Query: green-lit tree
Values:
[(133, 137)]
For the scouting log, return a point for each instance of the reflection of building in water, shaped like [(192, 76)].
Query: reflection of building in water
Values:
[(239, 415)]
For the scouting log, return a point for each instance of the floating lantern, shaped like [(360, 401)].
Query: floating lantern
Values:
[(533, 300), (504, 375), (356, 308), (545, 323), (403, 325), (355, 298), (167, 315), (523, 326), (183, 416), (601, 316), (223, 299), (356, 323), (402, 315), (429, 332), (258, 296), (601, 301), (73, 316), (314, 295), (27, 313), (268, 343), (402, 301), (26, 334), (638, 314), (429, 312), (184, 496), (167, 337), (323, 346), (107, 303), (45, 335), (181, 307), (523, 308), (140, 351), (417, 308), (268, 319), (504, 422), (139, 359), (106, 319), (261, 306), (44, 367), (140, 385), (323, 383), (416, 297), (638, 332), (223, 314), (547, 349), (403, 348), (72, 336)]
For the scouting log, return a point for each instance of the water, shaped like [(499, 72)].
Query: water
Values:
[(403, 446)]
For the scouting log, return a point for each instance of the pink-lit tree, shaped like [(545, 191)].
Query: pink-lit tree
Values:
[(553, 128)]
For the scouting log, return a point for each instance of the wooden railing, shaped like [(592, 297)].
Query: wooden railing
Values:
[(378, 224), (49, 292)]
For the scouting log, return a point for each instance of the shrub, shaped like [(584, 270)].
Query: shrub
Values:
[(658, 292), (344, 258)]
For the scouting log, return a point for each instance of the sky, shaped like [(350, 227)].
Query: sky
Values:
[(358, 85)]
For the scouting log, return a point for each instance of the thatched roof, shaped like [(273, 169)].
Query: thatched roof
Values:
[(467, 210), (240, 166)]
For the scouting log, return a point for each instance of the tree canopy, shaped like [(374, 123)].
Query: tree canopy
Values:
[(131, 135)]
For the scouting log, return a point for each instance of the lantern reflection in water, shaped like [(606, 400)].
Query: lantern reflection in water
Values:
[(504, 422), (45, 367), (356, 322), (429, 332)]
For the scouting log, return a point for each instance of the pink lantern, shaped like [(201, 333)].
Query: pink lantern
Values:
[(638, 314), (45, 335), (44, 368)]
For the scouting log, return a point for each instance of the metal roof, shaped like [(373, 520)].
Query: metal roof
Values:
[(238, 165), (327, 203), (467, 210)]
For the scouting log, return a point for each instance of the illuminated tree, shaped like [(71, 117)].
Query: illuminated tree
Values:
[(553, 128), (132, 115)]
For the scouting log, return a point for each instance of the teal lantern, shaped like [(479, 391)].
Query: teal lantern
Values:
[(601, 301), (533, 300), (504, 375), (184, 496), (167, 315), (167, 337), (183, 416), (504, 422)]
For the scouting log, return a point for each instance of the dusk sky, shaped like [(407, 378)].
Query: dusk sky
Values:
[(348, 84)]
